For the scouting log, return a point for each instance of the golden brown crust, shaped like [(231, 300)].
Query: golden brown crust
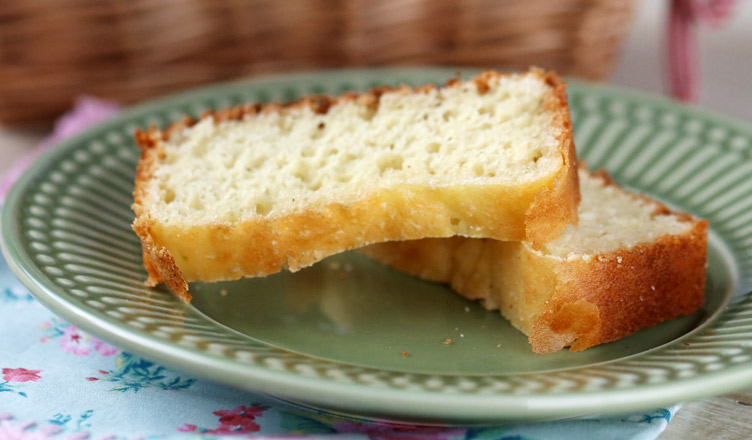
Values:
[(560, 302), (256, 248), (629, 289), (536, 211), (556, 206), (158, 261), (161, 266)]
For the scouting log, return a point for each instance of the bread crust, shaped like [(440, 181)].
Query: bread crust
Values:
[(620, 292), (555, 207), (560, 302), (536, 211)]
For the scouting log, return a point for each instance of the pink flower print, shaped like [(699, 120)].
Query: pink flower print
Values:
[(241, 411), (11, 429), (240, 419), (21, 375), (74, 341), (386, 431), (231, 421), (188, 428), (103, 348)]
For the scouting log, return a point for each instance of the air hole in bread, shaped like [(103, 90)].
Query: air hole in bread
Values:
[(284, 125), (366, 113), (433, 147), (303, 175), (389, 162), (261, 209), (257, 162), (196, 203), (200, 149), (316, 134), (487, 110), (169, 195), (230, 161), (479, 170), (347, 157)]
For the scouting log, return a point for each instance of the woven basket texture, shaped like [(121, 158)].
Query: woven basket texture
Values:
[(54, 50)]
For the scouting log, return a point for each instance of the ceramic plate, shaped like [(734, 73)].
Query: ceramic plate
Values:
[(352, 337)]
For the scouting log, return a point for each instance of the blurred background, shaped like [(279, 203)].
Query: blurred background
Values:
[(53, 51), (723, 56)]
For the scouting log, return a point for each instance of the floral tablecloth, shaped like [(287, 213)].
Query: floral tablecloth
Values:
[(60, 383)]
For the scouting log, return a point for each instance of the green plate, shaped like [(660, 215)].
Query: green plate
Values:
[(335, 336)]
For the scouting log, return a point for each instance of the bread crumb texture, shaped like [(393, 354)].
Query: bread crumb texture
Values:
[(270, 163), (611, 218), (255, 189)]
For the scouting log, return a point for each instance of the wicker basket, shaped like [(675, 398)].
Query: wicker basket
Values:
[(54, 50)]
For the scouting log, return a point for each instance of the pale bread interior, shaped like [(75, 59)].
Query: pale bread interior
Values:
[(275, 162), (610, 219)]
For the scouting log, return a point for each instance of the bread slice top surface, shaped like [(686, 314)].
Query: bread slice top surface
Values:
[(496, 129), (611, 218)]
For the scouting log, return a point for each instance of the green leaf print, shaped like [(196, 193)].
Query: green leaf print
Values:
[(133, 374)]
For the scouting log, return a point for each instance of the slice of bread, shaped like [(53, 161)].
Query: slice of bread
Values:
[(255, 189), (629, 263)]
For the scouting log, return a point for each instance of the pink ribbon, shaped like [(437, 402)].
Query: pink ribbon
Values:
[(682, 41)]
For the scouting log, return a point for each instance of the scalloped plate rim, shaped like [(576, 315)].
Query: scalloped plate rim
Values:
[(475, 408)]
